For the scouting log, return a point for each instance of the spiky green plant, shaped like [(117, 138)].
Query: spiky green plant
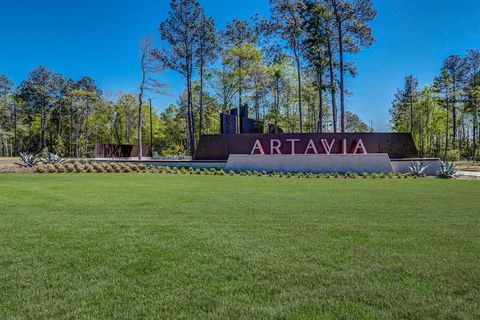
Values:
[(447, 170), (418, 168), (52, 158), (30, 159)]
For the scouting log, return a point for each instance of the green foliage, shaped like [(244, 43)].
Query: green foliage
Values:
[(453, 155), (58, 146)]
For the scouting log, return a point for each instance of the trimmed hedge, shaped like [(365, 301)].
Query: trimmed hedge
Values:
[(121, 167)]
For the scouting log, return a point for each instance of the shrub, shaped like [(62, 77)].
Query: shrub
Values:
[(40, 169), (351, 175), (133, 167), (97, 167), (60, 168), (89, 168), (382, 175), (142, 167), (231, 173), (51, 168), (78, 167), (152, 169), (477, 156), (390, 175), (221, 172), (453, 155), (183, 170), (69, 168)]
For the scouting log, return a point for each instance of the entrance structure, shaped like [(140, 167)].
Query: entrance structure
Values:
[(307, 152)]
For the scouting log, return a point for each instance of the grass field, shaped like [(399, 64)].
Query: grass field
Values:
[(167, 246)]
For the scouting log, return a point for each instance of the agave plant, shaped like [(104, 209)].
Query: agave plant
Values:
[(418, 168), (447, 170), (29, 159), (52, 159)]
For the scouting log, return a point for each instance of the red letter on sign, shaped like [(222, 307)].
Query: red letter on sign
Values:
[(359, 145), (257, 147)]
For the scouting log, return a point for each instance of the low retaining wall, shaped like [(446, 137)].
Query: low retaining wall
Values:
[(370, 163)]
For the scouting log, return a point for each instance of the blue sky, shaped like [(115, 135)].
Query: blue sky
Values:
[(100, 39)]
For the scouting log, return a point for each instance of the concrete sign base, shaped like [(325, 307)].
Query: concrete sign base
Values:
[(359, 163), (402, 165)]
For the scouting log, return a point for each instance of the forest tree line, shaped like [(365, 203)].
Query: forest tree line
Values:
[(290, 67), (443, 116)]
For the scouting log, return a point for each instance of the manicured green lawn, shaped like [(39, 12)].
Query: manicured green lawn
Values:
[(166, 246)]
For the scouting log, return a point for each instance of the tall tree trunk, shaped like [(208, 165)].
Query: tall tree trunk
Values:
[(87, 128), (454, 114), (59, 122), (70, 143), (43, 126), (139, 124), (117, 131), (257, 103), (411, 114), (151, 128), (446, 132), (332, 86), (320, 101), (240, 84), (299, 80), (200, 128), (342, 81), (475, 124), (277, 99), (190, 108), (15, 142)]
